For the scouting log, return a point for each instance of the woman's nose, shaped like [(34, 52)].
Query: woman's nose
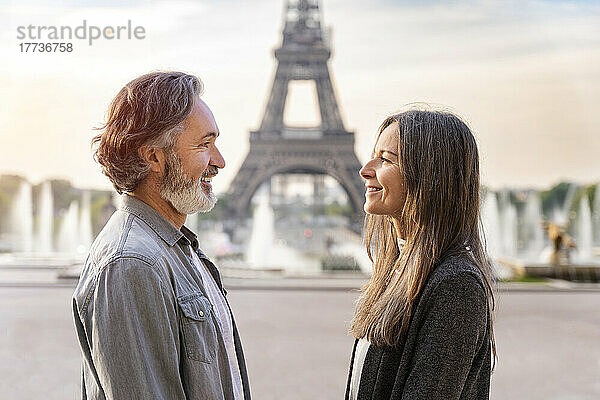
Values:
[(367, 172)]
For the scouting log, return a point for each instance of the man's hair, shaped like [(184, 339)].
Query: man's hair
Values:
[(148, 111)]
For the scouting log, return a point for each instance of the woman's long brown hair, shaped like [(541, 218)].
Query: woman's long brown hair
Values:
[(440, 165)]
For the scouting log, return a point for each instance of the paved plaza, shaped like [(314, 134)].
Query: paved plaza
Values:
[(297, 347)]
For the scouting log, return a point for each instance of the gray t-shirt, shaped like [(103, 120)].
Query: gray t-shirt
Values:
[(224, 317)]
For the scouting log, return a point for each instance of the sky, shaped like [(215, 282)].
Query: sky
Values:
[(524, 74)]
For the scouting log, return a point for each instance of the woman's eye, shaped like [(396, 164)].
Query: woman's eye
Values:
[(384, 159)]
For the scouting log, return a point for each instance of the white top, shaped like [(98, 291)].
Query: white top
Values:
[(362, 347), (225, 323)]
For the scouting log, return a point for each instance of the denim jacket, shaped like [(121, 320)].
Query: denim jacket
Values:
[(145, 325)]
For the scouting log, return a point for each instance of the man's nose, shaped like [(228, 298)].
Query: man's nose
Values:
[(217, 159)]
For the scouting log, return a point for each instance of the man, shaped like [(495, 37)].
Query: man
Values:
[(150, 311)]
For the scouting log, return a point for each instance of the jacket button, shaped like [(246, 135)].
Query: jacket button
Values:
[(201, 313)]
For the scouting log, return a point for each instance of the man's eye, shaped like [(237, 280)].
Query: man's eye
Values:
[(205, 145)]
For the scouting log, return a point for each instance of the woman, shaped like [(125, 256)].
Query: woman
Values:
[(423, 324)]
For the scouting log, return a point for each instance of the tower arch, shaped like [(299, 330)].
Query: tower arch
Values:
[(326, 149)]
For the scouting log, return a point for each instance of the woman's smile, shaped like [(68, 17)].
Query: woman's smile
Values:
[(373, 189)]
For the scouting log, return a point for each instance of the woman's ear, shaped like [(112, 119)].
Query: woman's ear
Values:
[(154, 157)]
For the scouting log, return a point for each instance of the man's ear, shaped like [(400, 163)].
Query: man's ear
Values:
[(153, 157)]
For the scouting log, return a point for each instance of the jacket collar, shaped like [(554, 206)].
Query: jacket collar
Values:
[(167, 231), (160, 225), (190, 238), (155, 220)]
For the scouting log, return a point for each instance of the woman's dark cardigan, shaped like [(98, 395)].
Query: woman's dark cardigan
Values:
[(446, 352)]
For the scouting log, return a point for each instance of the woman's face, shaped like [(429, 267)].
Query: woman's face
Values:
[(385, 186)]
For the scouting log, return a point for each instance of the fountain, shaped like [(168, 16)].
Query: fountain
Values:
[(499, 229), (45, 220), (561, 215), (22, 220), (596, 216), (554, 260), (33, 246), (491, 224), (350, 244), (68, 235), (75, 232), (262, 236), (264, 252), (533, 233), (584, 231), (507, 224), (85, 224), (509, 230)]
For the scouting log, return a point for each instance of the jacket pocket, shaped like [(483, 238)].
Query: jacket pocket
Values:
[(199, 332)]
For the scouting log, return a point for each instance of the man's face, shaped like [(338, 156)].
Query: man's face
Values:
[(192, 164)]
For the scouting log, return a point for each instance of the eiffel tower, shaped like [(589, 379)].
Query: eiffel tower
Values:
[(279, 149)]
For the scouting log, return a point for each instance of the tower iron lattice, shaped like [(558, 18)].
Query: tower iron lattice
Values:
[(276, 148)]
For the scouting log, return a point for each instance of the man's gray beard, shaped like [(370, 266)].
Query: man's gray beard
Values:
[(184, 194)]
